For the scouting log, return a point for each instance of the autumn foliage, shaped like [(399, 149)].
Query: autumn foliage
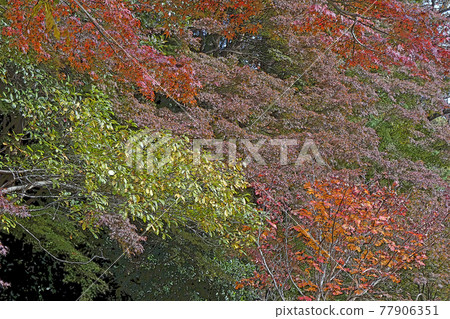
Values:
[(97, 37), (348, 240), (377, 34), (366, 80), (235, 16)]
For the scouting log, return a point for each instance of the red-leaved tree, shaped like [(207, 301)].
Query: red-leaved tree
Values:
[(348, 242)]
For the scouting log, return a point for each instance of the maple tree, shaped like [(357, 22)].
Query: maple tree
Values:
[(381, 33), (365, 80), (231, 17), (92, 36), (347, 241), (95, 36)]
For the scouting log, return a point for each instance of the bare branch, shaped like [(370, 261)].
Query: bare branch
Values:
[(25, 187)]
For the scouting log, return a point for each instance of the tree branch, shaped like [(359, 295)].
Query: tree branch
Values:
[(25, 187)]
